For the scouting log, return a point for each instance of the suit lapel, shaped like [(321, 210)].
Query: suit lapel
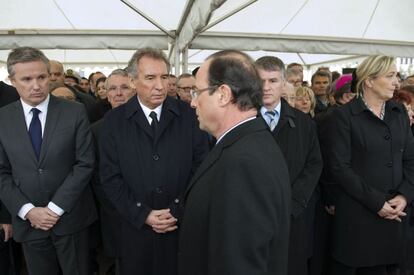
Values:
[(22, 133), (53, 114)]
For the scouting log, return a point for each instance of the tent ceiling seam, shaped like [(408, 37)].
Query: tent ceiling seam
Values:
[(303, 60), (370, 18), (113, 56), (64, 14), (294, 16)]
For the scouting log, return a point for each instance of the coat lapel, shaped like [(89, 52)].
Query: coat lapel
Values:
[(22, 133), (169, 111), (53, 114)]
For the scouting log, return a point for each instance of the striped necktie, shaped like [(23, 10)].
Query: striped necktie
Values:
[(272, 121)]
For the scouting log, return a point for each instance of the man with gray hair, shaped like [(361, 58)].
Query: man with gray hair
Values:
[(46, 161), (149, 149), (296, 135)]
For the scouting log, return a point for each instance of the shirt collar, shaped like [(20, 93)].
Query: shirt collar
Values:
[(147, 110), (42, 107), (277, 109), (241, 122)]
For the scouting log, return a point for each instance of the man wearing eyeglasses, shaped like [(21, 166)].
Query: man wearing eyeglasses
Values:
[(149, 149), (237, 206), (185, 84)]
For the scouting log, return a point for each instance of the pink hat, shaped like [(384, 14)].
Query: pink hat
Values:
[(344, 79)]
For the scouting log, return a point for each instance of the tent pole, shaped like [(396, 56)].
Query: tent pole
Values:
[(185, 60), (177, 59)]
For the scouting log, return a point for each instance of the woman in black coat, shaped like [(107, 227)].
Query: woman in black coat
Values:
[(371, 159)]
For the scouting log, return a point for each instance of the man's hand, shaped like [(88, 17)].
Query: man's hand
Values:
[(393, 209), (330, 209), (42, 218), (161, 221), (8, 231)]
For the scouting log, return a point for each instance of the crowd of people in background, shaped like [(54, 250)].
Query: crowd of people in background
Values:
[(175, 159)]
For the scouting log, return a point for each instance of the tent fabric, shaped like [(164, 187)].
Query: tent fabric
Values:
[(327, 27)]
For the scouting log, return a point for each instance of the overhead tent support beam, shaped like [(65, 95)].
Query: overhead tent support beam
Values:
[(338, 60), (303, 44), (224, 17), (177, 60), (83, 40), (149, 19)]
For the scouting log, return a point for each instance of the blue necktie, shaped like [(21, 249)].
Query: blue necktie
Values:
[(35, 132), (272, 121)]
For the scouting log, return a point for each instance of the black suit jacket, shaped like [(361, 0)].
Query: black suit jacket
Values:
[(371, 161), (237, 208), (140, 172), (61, 174), (8, 94)]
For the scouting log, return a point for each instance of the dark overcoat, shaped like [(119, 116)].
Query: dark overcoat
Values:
[(237, 208), (371, 160), (140, 172), (297, 138)]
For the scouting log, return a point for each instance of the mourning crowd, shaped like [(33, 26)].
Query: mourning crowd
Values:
[(238, 168)]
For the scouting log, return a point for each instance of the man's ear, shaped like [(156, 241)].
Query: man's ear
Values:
[(225, 95), (132, 83)]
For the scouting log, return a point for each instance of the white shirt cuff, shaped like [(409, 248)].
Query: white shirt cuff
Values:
[(59, 211), (24, 210)]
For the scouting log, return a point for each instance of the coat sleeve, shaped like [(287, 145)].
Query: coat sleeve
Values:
[(339, 156), (111, 180), (75, 183), (304, 185)]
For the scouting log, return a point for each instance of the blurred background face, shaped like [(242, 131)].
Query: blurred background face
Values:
[(119, 91), (172, 86), (64, 93), (101, 90), (288, 93), (84, 84), (303, 103), (320, 85), (184, 87), (56, 72)]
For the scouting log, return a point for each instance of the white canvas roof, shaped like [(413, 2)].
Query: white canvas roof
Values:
[(106, 32)]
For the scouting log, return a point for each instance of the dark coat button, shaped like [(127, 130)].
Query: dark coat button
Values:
[(138, 204), (158, 190), (176, 200), (389, 164), (387, 137), (40, 171), (155, 157)]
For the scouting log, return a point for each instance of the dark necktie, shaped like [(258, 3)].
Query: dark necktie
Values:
[(154, 123), (35, 132), (272, 121)]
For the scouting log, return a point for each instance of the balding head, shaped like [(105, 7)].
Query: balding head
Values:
[(56, 72)]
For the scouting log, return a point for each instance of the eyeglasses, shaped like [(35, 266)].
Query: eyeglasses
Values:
[(187, 89), (196, 92)]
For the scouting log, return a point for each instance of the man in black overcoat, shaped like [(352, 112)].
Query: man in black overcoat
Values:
[(149, 149), (237, 206), (296, 136)]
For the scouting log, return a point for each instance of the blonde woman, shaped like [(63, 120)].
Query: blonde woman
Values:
[(371, 159), (305, 100)]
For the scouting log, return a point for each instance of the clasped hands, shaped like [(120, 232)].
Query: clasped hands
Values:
[(393, 209), (161, 221), (42, 218)]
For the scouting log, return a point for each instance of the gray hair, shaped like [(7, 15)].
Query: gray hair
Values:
[(271, 63), (120, 72), (24, 55), (148, 52)]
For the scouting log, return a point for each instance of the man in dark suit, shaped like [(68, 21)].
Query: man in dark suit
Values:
[(296, 136), (149, 149), (237, 206), (9, 257), (46, 161), (119, 92)]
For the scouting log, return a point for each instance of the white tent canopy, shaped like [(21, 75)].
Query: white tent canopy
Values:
[(311, 32)]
